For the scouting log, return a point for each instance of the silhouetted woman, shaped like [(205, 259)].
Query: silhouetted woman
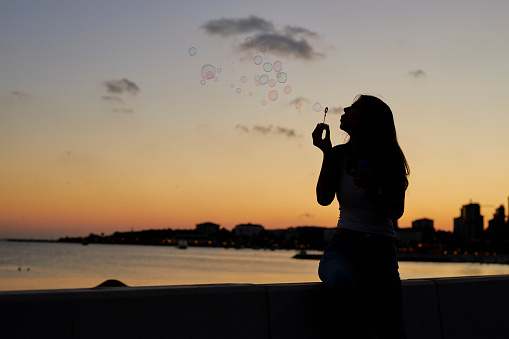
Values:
[(368, 175)]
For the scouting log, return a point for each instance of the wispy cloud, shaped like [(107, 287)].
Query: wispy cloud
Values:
[(17, 96), (112, 99), (123, 110), (228, 27), (288, 41), (336, 110), (121, 86), (417, 73), (268, 130)]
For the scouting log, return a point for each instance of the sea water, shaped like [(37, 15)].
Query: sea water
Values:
[(36, 265)]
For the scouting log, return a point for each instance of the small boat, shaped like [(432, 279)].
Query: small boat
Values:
[(182, 244)]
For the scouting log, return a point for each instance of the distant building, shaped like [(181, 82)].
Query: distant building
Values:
[(469, 226), (207, 228), (247, 230), (497, 227), (424, 225)]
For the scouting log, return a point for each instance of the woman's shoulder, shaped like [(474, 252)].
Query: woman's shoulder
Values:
[(340, 149)]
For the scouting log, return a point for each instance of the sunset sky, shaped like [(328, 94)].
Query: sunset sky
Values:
[(105, 125)]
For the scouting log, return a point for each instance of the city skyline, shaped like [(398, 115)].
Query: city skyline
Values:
[(105, 124)]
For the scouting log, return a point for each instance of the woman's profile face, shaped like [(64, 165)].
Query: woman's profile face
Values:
[(353, 120)]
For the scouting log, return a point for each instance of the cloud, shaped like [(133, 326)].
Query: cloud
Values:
[(268, 130), (286, 45), (228, 27), (121, 86), (112, 99), (417, 73), (289, 41), (307, 215), (17, 96), (242, 128), (336, 110)]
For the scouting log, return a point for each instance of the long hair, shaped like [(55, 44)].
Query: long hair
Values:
[(380, 136)]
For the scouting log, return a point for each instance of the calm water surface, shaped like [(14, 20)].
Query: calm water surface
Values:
[(29, 266)]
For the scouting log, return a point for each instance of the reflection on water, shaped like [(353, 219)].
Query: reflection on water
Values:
[(25, 266)]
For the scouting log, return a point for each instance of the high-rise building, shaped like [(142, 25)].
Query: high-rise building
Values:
[(469, 226), (424, 224)]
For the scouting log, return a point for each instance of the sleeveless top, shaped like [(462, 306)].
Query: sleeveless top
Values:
[(356, 211)]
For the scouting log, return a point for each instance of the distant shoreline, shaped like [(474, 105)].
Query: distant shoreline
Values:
[(402, 256)]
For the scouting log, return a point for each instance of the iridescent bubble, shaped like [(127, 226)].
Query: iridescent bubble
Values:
[(250, 42), (264, 102), (273, 95), (241, 59), (208, 72), (267, 67), (243, 78), (203, 82), (272, 82), (264, 79), (192, 51), (288, 89), (250, 94), (238, 90), (282, 77), (298, 104), (216, 78), (232, 85), (257, 77), (258, 60), (264, 47), (219, 70), (277, 66), (317, 107)]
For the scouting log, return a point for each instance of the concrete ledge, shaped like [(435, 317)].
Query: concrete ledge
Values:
[(470, 307), (214, 311), (474, 307)]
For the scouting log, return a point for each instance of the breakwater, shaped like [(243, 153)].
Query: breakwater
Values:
[(467, 307)]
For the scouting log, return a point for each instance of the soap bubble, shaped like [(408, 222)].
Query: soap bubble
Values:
[(238, 90), (258, 60), (203, 82), (192, 51), (264, 79), (257, 77), (208, 72), (232, 85), (298, 104), (267, 67), (317, 107), (264, 47), (277, 66), (272, 82), (264, 102), (241, 59), (250, 42), (273, 95), (219, 70), (216, 78), (288, 89), (243, 78), (250, 94), (282, 77), (257, 83)]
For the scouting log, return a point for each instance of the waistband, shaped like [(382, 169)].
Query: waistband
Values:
[(364, 236)]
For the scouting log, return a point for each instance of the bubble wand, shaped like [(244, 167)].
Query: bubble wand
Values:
[(326, 110)]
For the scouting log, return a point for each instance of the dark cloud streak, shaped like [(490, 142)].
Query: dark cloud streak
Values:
[(121, 86)]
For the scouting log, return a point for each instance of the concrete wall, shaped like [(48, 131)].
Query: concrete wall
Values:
[(471, 307)]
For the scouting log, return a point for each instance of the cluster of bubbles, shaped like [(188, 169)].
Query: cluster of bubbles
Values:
[(272, 75)]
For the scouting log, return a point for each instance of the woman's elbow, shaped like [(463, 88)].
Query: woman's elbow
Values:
[(324, 201)]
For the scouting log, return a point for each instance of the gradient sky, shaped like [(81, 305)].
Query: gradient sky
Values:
[(104, 125)]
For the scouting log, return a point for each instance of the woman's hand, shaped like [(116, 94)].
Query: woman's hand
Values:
[(319, 141)]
